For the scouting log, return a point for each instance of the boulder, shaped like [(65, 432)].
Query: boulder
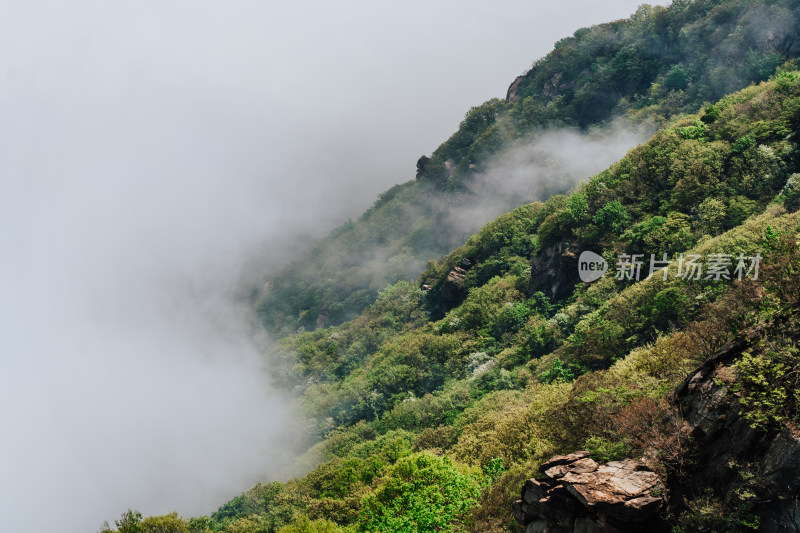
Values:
[(625, 490), (580, 495)]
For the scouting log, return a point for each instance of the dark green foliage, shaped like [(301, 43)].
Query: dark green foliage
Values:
[(129, 522), (710, 514), (238, 506), (464, 142), (710, 114), (132, 522), (669, 308), (612, 217), (659, 63), (510, 319), (658, 50), (769, 372), (790, 195), (744, 143), (417, 376), (494, 469), (677, 79)]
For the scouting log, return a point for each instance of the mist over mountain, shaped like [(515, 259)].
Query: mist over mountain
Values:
[(228, 293), (157, 161), (645, 70), (501, 391)]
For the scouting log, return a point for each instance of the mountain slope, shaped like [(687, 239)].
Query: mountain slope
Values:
[(442, 395), (658, 63), (476, 400)]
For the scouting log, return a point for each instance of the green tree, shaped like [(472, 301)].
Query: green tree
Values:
[(168, 523), (712, 214), (676, 233), (129, 522), (422, 493), (612, 217), (668, 307), (576, 209), (303, 524)]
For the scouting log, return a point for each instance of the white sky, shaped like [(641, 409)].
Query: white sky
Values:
[(146, 149)]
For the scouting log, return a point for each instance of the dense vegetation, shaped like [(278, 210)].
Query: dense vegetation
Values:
[(651, 67), (433, 395), (433, 405)]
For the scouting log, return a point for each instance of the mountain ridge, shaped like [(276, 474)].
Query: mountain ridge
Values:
[(657, 64)]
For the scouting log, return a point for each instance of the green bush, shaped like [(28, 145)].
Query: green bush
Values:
[(605, 450), (422, 493)]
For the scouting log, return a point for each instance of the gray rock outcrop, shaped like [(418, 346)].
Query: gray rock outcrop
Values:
[(580, 495)]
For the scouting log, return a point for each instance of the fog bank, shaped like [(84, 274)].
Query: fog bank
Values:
[(150, 154), (547, 162)]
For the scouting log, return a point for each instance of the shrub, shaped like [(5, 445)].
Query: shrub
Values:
[(558, 371), (669, 307), (605, 450), (612, 217), (422, 493), (303, 524), (712, 213), (769, 383)]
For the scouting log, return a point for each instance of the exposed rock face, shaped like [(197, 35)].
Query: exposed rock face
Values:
[(513, 90), (453, 292), (555, 271), (725, 446), (580, 495), (552, 87), (457, 275), (449, 167), (725, 459)]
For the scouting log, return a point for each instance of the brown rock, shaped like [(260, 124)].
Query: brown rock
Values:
[(581, 495), (457, 275), (624, 490), (562, 460), (581, 466)]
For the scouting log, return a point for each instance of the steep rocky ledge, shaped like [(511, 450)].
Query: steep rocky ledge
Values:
[(724, 459), (555, 271), (579, 495), (730, 456)]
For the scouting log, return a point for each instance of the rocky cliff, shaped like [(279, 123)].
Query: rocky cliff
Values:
[(754, 469), (728, 464)]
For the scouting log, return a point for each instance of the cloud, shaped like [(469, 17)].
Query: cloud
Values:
[(547, 162)]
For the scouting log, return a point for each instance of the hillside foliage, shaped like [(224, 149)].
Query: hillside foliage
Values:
[(434, 387), (429, 417), (657, 64)]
